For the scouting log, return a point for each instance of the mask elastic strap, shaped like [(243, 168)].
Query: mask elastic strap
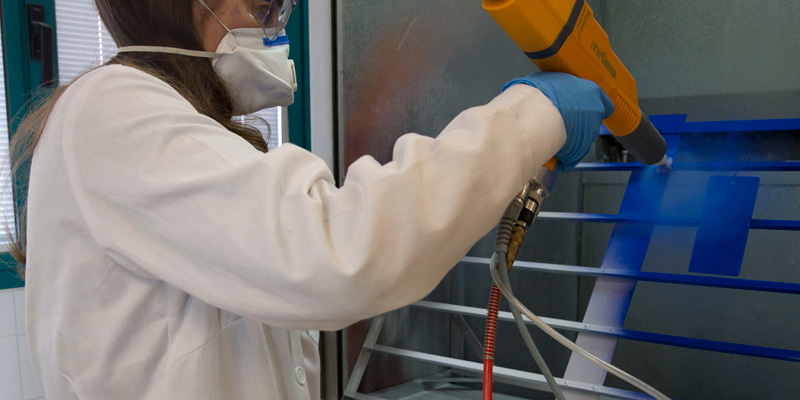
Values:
[(215, 15), (168, 50)]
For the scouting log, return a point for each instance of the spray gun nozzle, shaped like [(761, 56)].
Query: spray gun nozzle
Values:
[(665, 165)]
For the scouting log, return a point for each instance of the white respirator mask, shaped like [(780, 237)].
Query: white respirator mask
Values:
[(256, 71)]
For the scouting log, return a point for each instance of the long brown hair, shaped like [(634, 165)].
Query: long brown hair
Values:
[(171, 23)]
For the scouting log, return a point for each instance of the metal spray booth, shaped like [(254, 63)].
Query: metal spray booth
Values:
[(620, 260)]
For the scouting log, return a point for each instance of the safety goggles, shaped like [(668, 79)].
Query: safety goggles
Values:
[(272, 15)]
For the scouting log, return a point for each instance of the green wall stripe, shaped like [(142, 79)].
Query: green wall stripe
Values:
[(22, 79), (299, 117)]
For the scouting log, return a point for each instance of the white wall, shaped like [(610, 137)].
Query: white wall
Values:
[(17, 380), (320, 49)]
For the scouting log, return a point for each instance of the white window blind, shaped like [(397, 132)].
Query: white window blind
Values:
[(7, 191), (83, 43), (273, 133)]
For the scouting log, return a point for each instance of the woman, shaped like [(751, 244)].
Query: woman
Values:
[(169, 257)]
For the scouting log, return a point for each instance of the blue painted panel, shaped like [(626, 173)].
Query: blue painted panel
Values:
[(724, 225), (677, 124), (765, 224), (628, 244), (660, 277), (786, 166), (710, 345), (775, 224)]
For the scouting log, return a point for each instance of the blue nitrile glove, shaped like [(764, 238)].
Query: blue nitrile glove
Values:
[(582, 104)]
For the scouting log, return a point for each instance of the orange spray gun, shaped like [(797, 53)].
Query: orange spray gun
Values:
[(563, 36)]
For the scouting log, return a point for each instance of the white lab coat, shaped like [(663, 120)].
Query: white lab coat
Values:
[(168, 259)]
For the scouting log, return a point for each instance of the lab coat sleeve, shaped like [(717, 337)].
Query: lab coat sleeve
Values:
[(171, 195)]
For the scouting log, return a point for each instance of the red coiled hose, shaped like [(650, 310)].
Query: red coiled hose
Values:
[(489, 336)]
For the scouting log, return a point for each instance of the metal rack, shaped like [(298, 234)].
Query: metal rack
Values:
[(621, 270)]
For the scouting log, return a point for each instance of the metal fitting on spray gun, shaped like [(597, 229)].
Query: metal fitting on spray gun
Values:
[(518, 217), (532, 198)]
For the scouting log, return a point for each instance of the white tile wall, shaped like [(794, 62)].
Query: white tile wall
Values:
[(8, 318), (17, 380), (30, 388), (19, 303), (10, 382)]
